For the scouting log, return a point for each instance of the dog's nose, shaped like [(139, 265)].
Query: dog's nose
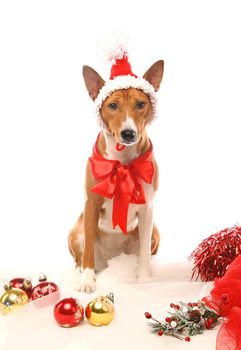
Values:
[(128, 135)]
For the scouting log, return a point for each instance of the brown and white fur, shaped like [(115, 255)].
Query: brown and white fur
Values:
[(93, 241)]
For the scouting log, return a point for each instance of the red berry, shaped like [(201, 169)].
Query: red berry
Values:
[(194, 304), (209, 322), (177, 307), (189, 304), (172, 305), (168, 319), (188, 339), (160, 333), (147, 315)]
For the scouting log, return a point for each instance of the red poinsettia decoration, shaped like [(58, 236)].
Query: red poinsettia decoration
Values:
[(226, 296)]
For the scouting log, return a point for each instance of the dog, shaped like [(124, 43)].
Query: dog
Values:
[(121, 175)]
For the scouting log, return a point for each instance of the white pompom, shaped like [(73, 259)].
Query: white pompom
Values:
[(113, 46)]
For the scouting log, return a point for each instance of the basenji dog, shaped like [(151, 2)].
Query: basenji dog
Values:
[(121, 175)]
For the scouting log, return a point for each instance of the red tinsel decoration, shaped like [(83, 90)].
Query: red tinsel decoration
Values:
[(214, 254)]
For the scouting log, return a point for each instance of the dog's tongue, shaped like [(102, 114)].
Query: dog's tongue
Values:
[(119, 147)]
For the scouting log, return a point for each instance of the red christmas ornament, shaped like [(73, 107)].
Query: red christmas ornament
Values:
[(43, 289), (215, 253), (68, 312), (23, 284)]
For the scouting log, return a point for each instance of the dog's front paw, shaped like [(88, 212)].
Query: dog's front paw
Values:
[(87, 281)]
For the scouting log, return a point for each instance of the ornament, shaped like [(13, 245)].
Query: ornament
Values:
[(215, 253), (68, 312), (22, 283), (12, 299), (45, 288), (100, 311)]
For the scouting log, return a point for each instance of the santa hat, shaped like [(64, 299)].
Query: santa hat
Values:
[(115, 51)]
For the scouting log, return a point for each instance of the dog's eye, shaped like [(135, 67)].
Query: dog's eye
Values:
[(140, 105), (113, 106)]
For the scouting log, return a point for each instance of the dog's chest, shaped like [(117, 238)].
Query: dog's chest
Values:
[(125, 156), (105, 219)]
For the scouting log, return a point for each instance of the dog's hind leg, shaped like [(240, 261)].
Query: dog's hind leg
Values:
[(155, 240), (76, 241)]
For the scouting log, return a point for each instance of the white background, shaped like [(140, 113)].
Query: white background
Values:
[(47, 125)]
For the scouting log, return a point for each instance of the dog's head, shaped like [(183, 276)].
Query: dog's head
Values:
[(125, 112)]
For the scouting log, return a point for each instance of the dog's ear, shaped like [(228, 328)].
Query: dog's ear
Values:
[(154, 74), (93, 81)]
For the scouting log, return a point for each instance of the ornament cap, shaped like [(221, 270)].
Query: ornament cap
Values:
[(42, 277), (111, 297), (7, 285), (27, 283)]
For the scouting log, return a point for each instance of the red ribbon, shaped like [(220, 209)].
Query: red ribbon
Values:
[(119, 147), (121, 182)]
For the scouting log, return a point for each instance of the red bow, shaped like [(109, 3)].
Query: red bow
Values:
[(121, 182)]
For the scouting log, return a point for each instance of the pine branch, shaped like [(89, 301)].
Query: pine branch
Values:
[(187, 320)]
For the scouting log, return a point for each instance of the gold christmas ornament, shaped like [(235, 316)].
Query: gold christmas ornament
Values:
[(12, 299), (100, 311)]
